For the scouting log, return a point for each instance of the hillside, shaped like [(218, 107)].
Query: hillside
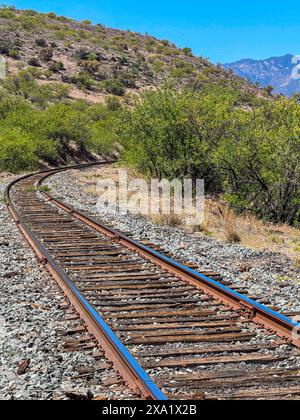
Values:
[(275, 71), (94, 60)]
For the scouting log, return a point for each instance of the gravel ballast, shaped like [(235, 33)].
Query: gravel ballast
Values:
[(269, 276), (33, 318)]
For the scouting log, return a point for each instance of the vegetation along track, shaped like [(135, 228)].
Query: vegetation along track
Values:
[(156, 318)]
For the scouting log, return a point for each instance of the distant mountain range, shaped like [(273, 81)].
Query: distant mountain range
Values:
[(276, 71)]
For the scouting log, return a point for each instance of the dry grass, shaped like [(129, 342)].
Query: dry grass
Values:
[(172, 220), (202, 228), (230, 225), (220, 222), (297, 262)]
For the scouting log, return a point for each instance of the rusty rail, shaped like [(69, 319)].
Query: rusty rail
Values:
[(122, 359)]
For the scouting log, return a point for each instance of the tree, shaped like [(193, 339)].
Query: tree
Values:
[(173, 134), (64, 124), (261, 162)]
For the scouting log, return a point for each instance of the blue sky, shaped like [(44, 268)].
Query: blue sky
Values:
[(223, 31)]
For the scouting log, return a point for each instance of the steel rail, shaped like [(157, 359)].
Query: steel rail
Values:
[(267, 318), (123, 361)]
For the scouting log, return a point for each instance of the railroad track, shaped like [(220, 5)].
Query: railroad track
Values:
[(170, 331)]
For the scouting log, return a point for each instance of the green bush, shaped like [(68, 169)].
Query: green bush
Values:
[(174, 134), (19, 150), (14, 54), (64, 123), (83, 81), (114, 87), (11, 103), (113, 104), (261, 162), (182, 69), (158, 66), (56, 66), (83, 54), (31, 23), (250, 156), (104, 124), (10, 46), (33, 61), (41, 42), (25, 84), (31, 133), (188, 51), (7, 12), (46, 54)]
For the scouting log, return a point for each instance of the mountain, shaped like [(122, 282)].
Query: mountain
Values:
[(278, 72), (93, 60)]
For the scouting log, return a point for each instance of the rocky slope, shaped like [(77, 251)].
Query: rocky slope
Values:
[(280, 72), (94, 60)]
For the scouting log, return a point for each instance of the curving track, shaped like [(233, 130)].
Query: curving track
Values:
[(156, 318)]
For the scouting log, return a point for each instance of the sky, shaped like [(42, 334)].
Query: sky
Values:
[(223, 31)]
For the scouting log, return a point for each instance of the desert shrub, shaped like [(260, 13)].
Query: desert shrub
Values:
[(60, 34), (14, 54), (104, 137), (46, 54), (47, 73), (174, 134), (30, 23), (4, 46), (269, 89), (29, 123), (113, 103), (83, 81), (64, 123), (7, 12), (52, 15), (10, 103), (21, 150), (56, 66), (83, 34), (166, 43), (8, 46), (187, 51), (41, 42), (251, 156), (172, 220), (31, 133), (92, 67), (158, 66), (25, 84), (34, 61), (182, 69), (30, 12), (60, 91), (68, 79), (17, 151), (261, 162), (64, 19), (128, 79), (114, 87), (82, 54)]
